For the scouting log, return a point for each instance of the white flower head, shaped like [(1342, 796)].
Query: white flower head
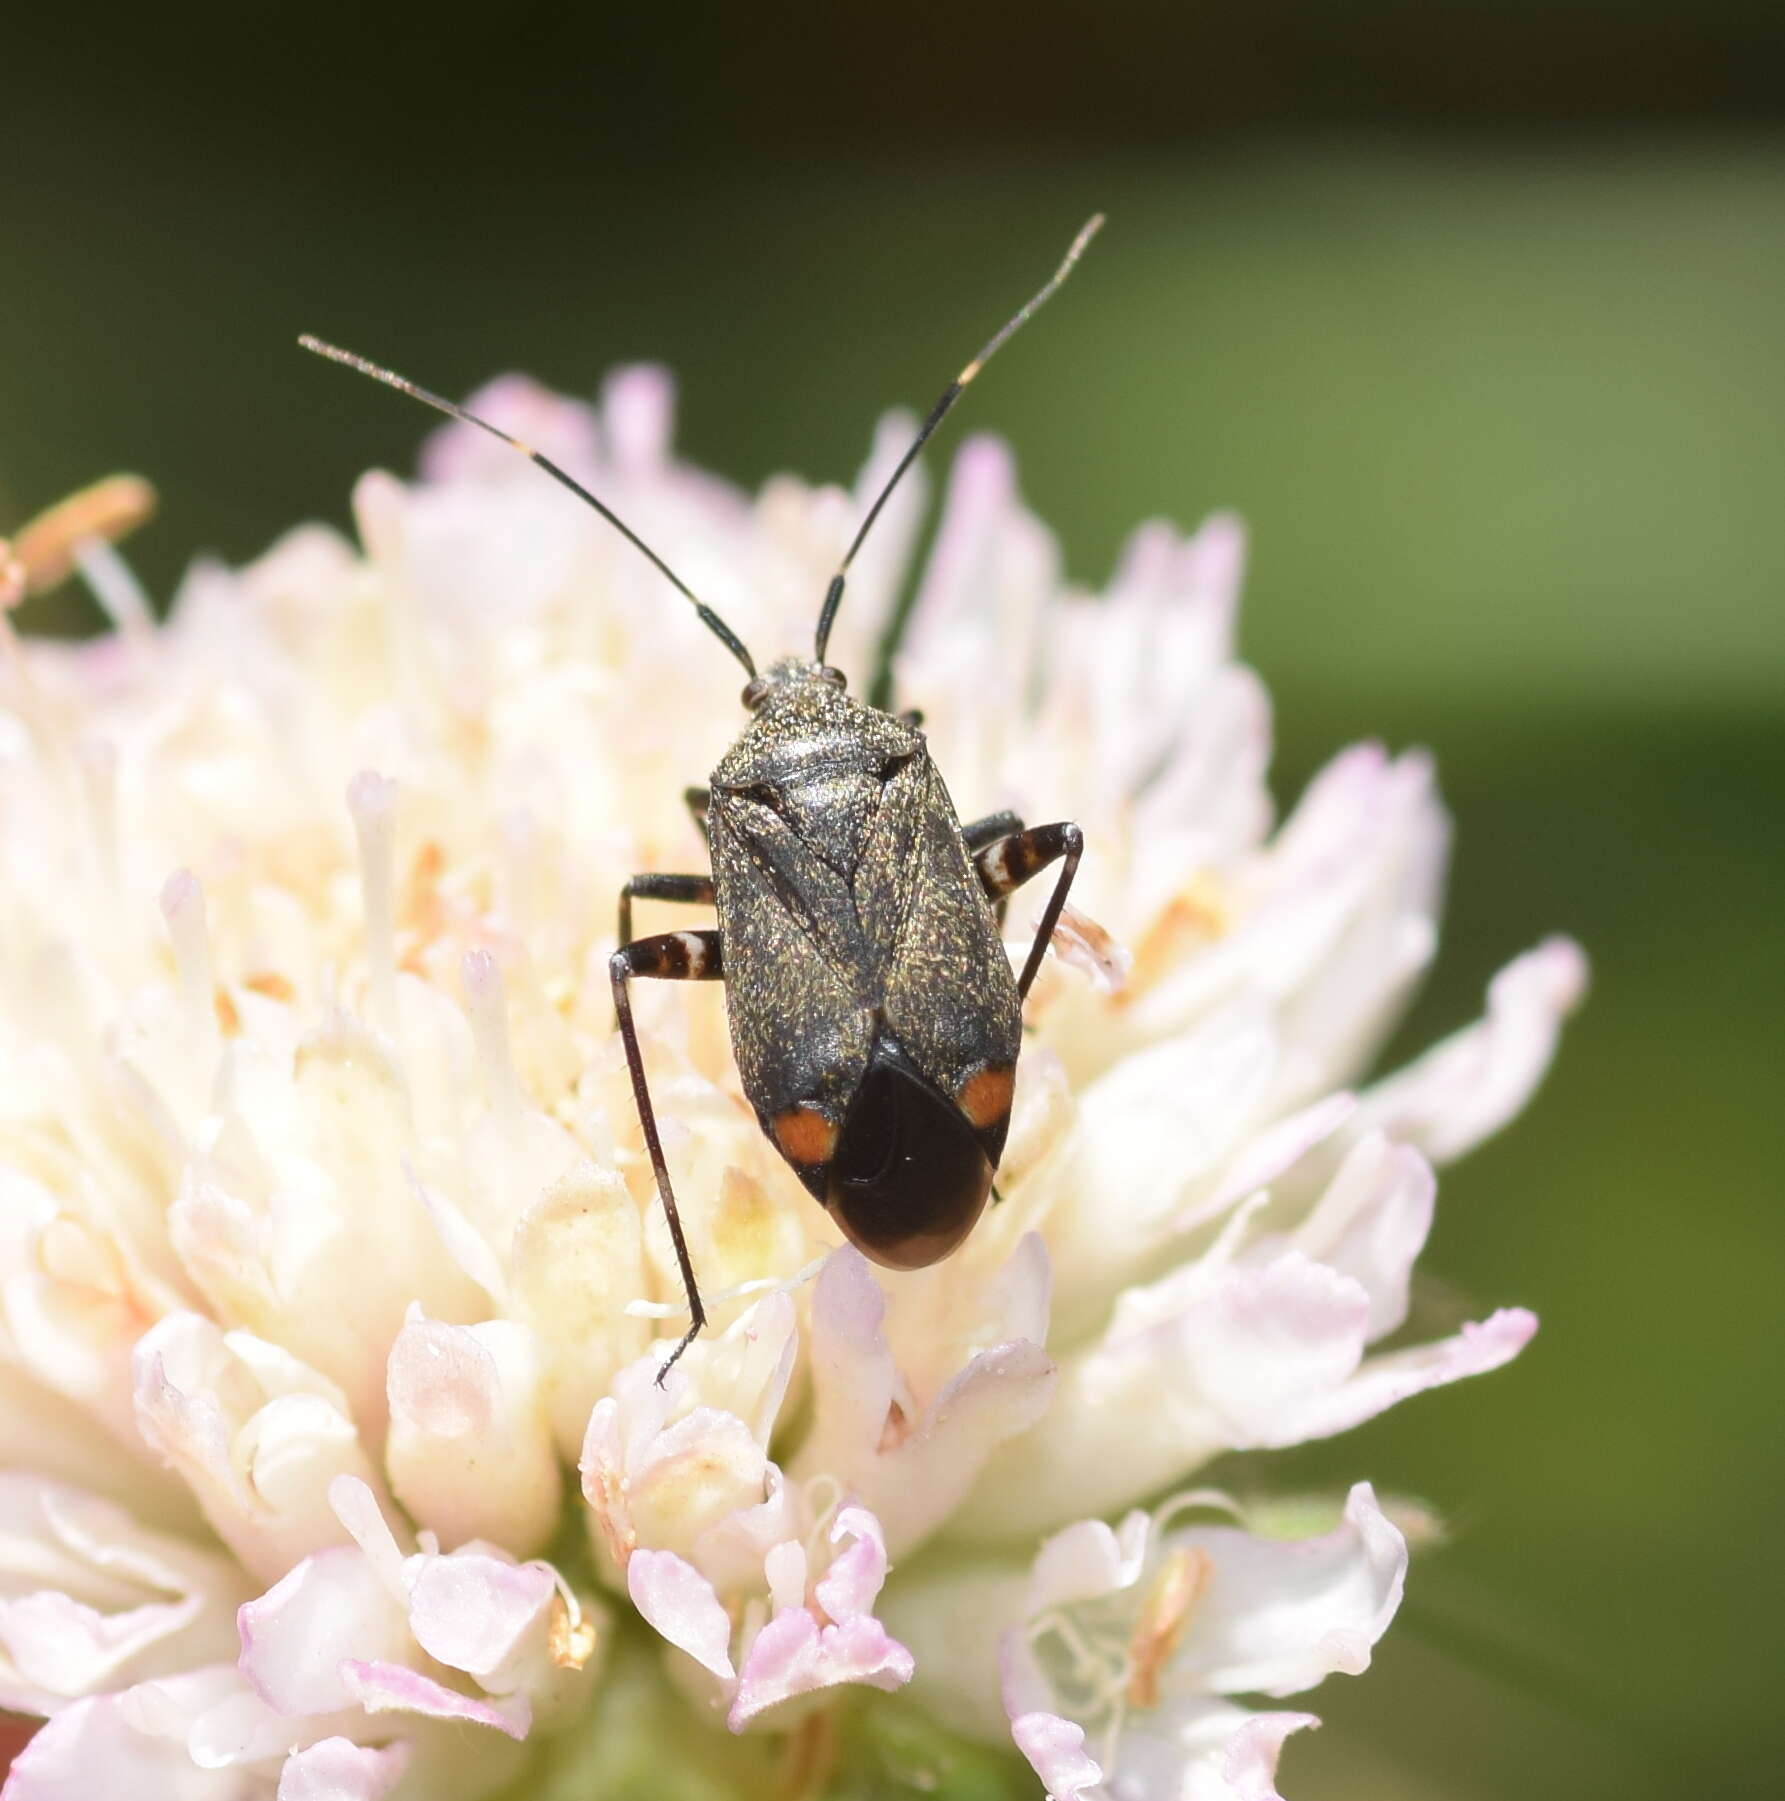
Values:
[(333, 1289)]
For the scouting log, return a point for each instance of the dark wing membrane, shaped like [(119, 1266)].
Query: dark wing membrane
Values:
[(800, 1025), (950, 996)]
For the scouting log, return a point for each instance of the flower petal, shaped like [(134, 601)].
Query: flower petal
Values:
[(296, 1638), (1055, 1748), (1468, 1087), (793, 1655), (1279, 1615), (336, 1769), (678, 1601), (394, 1688)]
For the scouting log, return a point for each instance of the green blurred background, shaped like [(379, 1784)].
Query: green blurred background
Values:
[(1476, 312)]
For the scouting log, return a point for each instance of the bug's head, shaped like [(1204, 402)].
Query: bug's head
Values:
[(790, 672)]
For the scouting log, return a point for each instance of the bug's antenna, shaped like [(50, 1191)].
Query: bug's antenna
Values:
[(834, 595), (391, 379)]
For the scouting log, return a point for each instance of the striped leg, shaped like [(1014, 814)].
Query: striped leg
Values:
[(696, 890), (670, 957), (1008, 864), (979, 833)]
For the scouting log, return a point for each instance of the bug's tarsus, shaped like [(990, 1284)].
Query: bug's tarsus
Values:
[(944, 401), (391, 379)]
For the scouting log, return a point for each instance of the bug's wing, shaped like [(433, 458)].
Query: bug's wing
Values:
[(801, 1023), (950, 996)]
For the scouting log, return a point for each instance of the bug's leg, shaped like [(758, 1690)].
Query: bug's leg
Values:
[(912, 716), (1008, 864), (696, 890), (697, 801), (981, 832), (670, 957)]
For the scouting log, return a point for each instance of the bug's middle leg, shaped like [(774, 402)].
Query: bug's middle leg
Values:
[(978, 833), (670, 957), (696, 890), (1006, 865)]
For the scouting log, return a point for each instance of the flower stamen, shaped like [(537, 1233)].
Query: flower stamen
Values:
[(1182, 1580)]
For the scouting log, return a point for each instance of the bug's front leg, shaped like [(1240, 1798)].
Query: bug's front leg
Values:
[(1006, 865), (669, 957)]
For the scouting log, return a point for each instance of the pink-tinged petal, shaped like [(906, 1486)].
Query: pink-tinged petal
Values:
[(1276, 1616), (1383, 1382), (911, 1472), (469, 1452), (91, 1601), (1468, 1087), (1268, 1154), (475, 1612), (638, 413), (1200, 1362), (258, 1435), (394, 1688), (295, 1636), (336, 1769), (1245, 1767), (561, 429), (1055, 1748), (916, 1485), (1371, 1222), (240, 1728), (1085, 1560), (852, 1365), (1080, 942), (792, 1655), (130, 1743), (678, 1601), (981, 490), (848, 1589)]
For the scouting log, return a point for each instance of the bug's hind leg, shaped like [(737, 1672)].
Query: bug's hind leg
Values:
[(1004, 866), (670, 957), (695, 890)]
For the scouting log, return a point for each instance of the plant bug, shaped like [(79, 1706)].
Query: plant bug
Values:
[(874, 1015)]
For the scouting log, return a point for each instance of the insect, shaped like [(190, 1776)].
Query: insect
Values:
[(874, 1014)]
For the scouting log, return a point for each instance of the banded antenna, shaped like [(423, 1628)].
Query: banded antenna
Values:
[(391, 379), (834, 594)]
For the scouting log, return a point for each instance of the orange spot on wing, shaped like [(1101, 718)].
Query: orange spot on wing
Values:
[(985, 1097), (805, 1135)]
